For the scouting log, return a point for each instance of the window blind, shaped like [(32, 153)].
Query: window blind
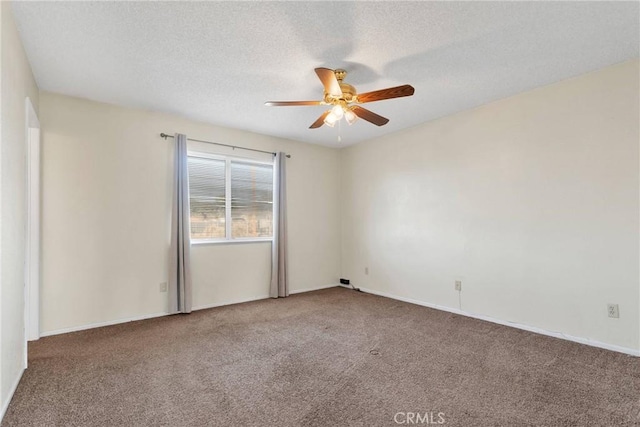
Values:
[(251, 200), (207, 196)]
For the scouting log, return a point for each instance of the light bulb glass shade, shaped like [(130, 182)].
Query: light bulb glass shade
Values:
[(350, 116), (337, 111), (330, 120)]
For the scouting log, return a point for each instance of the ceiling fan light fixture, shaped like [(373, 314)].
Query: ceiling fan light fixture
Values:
[(337, 111), (330, 120), (350, 116)]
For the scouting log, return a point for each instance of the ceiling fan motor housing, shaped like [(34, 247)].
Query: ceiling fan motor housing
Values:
[(348, 92)]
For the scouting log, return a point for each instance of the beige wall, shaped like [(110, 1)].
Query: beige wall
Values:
[(531, 201), (106, 212), (17, 83)]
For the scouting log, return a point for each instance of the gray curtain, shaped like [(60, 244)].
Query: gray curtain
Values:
[(179, 257), (279, 285)]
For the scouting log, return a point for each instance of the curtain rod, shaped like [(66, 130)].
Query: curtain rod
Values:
[(165, 136)]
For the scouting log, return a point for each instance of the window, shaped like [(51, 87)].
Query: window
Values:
[(230, 199)]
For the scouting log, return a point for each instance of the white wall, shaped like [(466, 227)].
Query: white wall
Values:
[(106, 212), (17, 83), (531, 201)]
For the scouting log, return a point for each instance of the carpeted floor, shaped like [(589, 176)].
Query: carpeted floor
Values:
[(334, 357)]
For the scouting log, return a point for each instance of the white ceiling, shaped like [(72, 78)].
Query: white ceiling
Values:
[(219, 62)]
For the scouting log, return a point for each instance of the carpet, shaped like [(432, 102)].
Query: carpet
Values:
[(334, 357)]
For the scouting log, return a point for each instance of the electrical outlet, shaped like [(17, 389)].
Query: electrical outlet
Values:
[(613, 310), (366, 271), (458, 285), (163, 287)]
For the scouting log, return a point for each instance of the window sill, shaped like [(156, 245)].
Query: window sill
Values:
[(230, 241)]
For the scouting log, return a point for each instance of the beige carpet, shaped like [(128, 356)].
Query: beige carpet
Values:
[(328, 358)]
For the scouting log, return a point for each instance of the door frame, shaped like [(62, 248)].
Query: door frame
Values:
[(32, 241)]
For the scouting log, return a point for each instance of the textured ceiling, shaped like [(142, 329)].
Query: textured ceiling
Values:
[(219, 62)]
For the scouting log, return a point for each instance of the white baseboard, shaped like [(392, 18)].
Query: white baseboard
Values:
[(101, 324), (586, 341), (534, 329), (14, 386), (299, 291), (220, 304), (151, 316), (259, 297)]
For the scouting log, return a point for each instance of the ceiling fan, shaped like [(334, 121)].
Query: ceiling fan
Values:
[(344, 99)]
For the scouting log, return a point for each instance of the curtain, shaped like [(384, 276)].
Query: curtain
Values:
[(179, 257), (279, 285)]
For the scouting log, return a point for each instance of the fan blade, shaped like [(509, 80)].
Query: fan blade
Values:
[(389, 93), (290, 103), (329, 81), (369, 116), (320, 120)]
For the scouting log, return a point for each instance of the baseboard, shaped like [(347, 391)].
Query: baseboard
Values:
[(154, 315), (259, 297), (221, 304), (101, 324), (534, 329), (299, 291), (5, 405), (580, 340)]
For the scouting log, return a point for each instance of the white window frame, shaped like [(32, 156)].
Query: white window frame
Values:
[(227, 203)]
